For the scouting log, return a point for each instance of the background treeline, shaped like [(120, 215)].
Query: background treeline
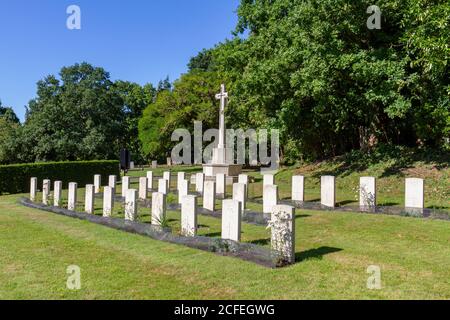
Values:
[(309, 68)]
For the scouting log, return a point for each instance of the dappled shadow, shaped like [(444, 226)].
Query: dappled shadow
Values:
[(301, 216), (315, 253), (261, 242), (213, 234), (345, 202), (399, 159)]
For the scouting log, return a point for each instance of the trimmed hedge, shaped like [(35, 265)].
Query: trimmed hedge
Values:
[(16, 178)]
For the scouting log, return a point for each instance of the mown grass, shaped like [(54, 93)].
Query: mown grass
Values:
[(333, 249)]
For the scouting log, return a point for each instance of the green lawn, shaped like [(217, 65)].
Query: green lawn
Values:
[(334, 251)]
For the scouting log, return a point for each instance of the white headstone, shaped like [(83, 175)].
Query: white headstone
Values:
[(328, 191), (193, 179), (154, 164), (163, 186), (181, 176), (131, 204), (183, 190), (131, 165), (108, 201), (72, 197), (125, 185), (143, 188), (221, 184), (199, 182), (298, 188), (189, 215), (167, 176), (269, 179), (283, 232), (150, 179), (231, 220), (158, 208), (240, 194), (414, 193), (89, 199), (270, 198), (112, 182), (209, 196), (243, 178), (97, 183), (33, 188), (57, 193), (367, 192), (45, 191)]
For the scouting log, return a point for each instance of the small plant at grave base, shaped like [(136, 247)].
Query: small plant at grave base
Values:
[(368, 197), (163, 222), (281, 236)]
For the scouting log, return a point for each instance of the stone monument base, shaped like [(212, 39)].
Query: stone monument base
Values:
[(231, 171)]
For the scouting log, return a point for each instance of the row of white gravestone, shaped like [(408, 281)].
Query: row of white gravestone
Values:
[(282, 224), (414, 192)]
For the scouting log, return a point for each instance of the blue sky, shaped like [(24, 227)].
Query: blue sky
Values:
[(136, 40)]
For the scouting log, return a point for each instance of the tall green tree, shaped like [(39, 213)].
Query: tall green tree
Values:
[(192, 98), (75, 117), (315, 71)]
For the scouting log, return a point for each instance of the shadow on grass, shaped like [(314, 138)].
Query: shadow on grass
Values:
[(213, 234), (261, 242), (315, 253)]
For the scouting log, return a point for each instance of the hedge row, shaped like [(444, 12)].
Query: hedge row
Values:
[(16, 178)]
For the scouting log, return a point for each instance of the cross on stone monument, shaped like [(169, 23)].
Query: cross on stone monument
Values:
[(223, 97)]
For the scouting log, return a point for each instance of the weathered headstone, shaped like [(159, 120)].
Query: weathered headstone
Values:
[(169, 162), (181, 176), (108, 201), (221, 185), (154, 164), (158, 208), (57, 193), (193, 179), (167, 176), (131, 165), (97, 183), (367, 192), (414, 193), (89, 199), (240, 194), (143, 188), (199, 182), (72, 197), (163, 186), (112, 182), (209, 196), (125, 185), (189, 215), (131, 205), (328, 191), (298, 188), (33, 188), (150, 179), (231, 220), (183, 190), (45, 191), (270, 197), (268, 179), (283, 233)]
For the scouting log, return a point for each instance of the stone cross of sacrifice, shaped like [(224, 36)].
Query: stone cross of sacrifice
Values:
[(223, 97)]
